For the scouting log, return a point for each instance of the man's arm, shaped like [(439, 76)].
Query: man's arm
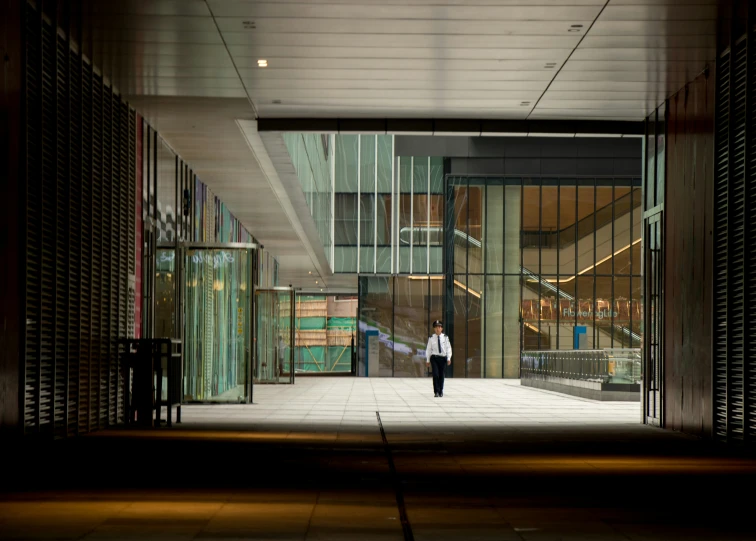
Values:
[(448, 350), (427, 350)]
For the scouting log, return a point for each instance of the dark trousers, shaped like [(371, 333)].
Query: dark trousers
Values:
[(438, 365)]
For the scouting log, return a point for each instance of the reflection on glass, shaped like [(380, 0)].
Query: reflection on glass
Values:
[(567, 227), (273, 352), (493, 232), (218, 324), (475, 224), (461, 241), (474, 358), (165, 294), (459, 336), (410, 335), (493, 297), (376, 313)]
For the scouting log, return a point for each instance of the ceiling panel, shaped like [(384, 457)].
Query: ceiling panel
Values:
[(190, 65), (389, 84), (419, 26), (257, 11), (653, 28), (411, 40), (664, 55), (437, 76), (247, 56)]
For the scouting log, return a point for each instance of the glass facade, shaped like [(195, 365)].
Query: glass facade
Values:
[(540, 264), (312, 156), (509, 263), (325, 333), (388, 214), (401, 309)]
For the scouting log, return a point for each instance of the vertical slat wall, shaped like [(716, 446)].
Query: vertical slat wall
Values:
[(80, 204), (734, 383)]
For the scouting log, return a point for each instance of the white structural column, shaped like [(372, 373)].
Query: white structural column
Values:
[(511, 288), (493, 295)]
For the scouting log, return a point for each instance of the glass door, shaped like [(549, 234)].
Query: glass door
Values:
[(274, 351), (217, 308), (653, 336)]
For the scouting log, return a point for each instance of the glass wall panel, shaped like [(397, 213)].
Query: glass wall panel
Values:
[(367, 164), (459, 338), (383, 219), (549, 226), (622, 309), (512, 328), (475, 225), (345, 219), (585, 228), (436, 220), (567, 312), (377, 313), (436, 259), (461, 240), (530, 225), (437, 175), (420, 173), (383, 260), (474, 358), (411, 326), (218, 326), (530, 312), (367, 220), (567, 226), (493, 326), (584, 308), (346, 163), (367, 259), (493, 232), (345, 259), (604, 309), (385, 162), (512, 223)]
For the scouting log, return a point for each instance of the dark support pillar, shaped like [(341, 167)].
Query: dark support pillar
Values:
[(11, 217)]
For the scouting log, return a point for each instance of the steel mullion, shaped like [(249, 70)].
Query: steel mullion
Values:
[(558, 265), (595, 243), (467, 275), (540, 260), (359, 197), (484, 261)]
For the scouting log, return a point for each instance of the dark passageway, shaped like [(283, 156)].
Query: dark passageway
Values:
[(491, 460)]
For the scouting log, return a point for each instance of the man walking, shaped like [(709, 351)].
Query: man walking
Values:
[(438, 355)]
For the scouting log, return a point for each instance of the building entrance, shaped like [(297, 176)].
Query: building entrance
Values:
[(217, 307)]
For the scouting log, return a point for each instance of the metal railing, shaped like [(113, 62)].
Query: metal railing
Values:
[(611, 365)]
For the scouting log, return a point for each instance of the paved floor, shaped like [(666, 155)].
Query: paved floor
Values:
[(489, 461)]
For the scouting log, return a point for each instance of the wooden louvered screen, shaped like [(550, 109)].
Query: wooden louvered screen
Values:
[(734, 385), (80, 229)]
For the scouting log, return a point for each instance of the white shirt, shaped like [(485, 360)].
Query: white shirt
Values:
[(432, 349)]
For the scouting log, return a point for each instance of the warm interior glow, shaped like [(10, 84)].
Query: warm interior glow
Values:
[(607, 258)]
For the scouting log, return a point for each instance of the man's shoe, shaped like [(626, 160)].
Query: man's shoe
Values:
[(441, 395), (435, 395)]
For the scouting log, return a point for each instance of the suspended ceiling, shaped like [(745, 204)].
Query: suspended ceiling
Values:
[(195, 63)]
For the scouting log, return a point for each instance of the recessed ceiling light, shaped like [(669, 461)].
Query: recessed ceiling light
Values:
[(316, 281), (573, 30), (262, 63), (309, 272)]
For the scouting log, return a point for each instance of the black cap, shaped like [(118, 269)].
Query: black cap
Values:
[(437, 323)]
